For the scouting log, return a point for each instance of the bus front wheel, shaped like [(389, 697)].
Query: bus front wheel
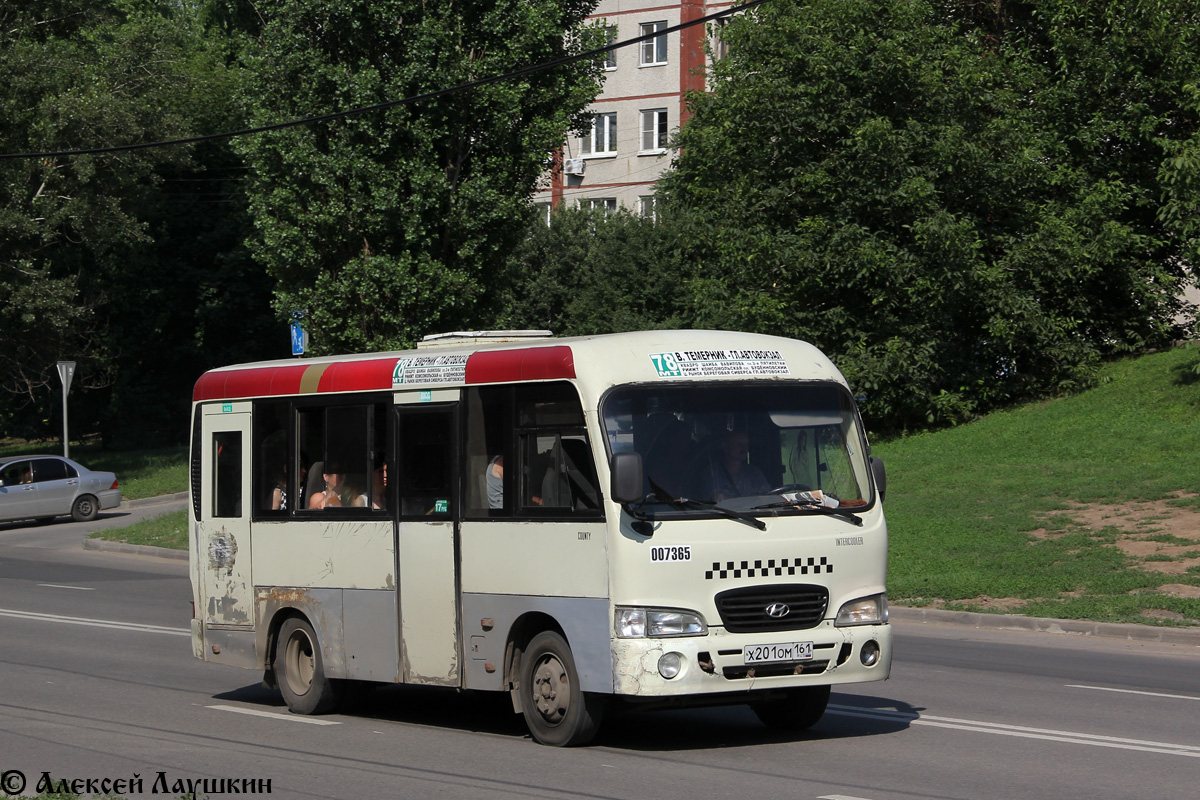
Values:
[(300, 670), (797, 710), (556, 709)]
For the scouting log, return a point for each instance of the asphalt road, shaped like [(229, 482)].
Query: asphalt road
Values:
[(97, 682)]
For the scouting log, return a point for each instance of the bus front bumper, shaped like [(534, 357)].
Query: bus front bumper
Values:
[(723, 662)]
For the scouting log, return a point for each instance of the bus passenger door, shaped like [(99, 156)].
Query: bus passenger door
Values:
[(427, 546), (223, 532)]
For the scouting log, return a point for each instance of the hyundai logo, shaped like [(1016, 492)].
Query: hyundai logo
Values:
[(778, 610)]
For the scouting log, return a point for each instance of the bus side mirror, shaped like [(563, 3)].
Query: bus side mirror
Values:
[(626, 471), (880, 475)]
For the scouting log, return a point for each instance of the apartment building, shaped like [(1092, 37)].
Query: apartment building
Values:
[(642, 103)]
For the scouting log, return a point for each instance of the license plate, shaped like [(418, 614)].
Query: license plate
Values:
[(768, 653)]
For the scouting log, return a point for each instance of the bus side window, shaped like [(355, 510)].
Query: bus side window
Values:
[(274, 488), (486, 479), (426, 461), (557, 470), (227, 477)]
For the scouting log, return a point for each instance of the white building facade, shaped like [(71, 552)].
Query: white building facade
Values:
[(642, 104)]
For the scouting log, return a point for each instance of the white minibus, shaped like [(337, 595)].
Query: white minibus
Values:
[(650, 519)]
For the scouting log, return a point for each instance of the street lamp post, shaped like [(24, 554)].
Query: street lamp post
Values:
[(66, 371)]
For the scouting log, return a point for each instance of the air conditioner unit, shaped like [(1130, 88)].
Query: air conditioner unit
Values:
[(573, 166)]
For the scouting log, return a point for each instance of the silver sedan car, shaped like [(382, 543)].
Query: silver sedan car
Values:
[(45, 487)]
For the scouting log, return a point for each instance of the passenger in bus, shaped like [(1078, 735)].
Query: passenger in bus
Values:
[(354, 490), (340, 489), (495, 482), (379, 483), (727, 472), (279, 490)]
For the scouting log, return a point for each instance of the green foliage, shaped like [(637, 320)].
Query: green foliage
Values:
[(385, 226), (590, 272), (129, 263), (936, 194)]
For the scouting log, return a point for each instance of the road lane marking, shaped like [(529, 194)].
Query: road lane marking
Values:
[(1068, 737), (1133, 691), (94, 623), (60, 586), (289, 717)]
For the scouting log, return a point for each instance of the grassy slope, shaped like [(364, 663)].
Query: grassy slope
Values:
[(962, 502)]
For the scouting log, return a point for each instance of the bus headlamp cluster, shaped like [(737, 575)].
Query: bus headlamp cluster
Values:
[(871, 610), (655, 623)]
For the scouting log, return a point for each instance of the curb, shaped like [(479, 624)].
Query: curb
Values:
[(1075, 627), (106, 546)]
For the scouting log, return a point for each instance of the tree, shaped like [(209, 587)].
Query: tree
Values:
[(388, 225), (118, 261), (935, 193), (591, 272)]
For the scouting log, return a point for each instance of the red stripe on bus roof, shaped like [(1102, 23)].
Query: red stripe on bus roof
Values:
[(358, 376), (527, 364), (248, 383), (497, 366)]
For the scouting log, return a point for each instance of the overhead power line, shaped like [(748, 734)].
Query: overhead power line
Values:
[(417, 98)]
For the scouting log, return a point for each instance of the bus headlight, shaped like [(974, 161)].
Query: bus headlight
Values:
[(655, 623), (871, 610)]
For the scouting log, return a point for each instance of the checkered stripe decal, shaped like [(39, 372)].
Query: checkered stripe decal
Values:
[(795, 566)]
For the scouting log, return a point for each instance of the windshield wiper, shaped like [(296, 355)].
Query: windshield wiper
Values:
[(828, 511), (705, 505)]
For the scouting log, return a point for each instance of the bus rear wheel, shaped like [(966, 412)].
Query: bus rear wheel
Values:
[(300, 670), (797, 710), (556, 709)]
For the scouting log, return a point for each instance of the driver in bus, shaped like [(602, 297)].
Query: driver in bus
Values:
[(727, 472)]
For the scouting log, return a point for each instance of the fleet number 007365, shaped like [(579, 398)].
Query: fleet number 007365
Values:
[(683, 553)]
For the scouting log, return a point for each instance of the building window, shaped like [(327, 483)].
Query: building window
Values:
[(720, 47), (648, 207), (605, 204), (603, 138), (654, 51), (543, 211), (610, 35), (654, 130)]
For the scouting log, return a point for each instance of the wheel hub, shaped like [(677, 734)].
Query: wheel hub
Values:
[(551, 689)]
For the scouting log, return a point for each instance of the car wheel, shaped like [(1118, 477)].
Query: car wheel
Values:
[(84, 508), (300, 670), (797, 710), (556, 709)]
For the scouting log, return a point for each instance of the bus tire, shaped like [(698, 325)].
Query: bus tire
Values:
[(798, 710), (557, 710), (300, 670), (84, 508)]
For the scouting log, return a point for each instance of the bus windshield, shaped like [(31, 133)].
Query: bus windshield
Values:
[(741, 445)]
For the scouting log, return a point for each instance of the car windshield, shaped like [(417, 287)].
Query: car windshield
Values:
[(742, 445)]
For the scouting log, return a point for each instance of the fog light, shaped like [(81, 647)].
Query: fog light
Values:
[(669, 665), (869, 654)]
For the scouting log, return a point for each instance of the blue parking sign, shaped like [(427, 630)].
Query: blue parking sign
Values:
[(299, 339)]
